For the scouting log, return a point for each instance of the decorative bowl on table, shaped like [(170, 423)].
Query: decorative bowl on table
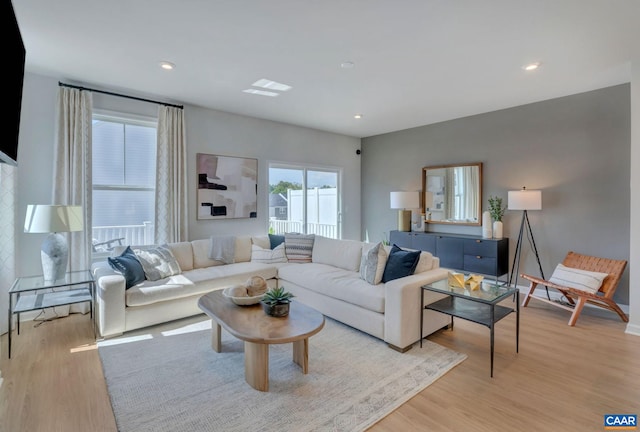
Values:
[(241, 300)]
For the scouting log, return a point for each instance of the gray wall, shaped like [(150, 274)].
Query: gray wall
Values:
[(575, 149), (207, 131)]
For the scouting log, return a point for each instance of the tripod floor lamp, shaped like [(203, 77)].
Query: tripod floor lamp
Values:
[(524, 200)]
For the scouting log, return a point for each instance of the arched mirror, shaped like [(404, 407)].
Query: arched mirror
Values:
[(452, 194)]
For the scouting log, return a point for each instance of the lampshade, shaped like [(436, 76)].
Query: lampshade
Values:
[(53, 218), (524, 200), (405, 200)]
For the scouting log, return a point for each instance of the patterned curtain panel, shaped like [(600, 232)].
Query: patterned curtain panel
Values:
[(171, 224), (72, 172), (8, 177)]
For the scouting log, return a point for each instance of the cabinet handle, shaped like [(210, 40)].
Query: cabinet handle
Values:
[(479, 257), (478, 241)]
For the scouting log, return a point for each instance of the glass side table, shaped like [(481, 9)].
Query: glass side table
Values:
[(479, 306), (33, 292)]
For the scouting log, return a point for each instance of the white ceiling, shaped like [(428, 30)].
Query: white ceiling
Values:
[(416, 61)]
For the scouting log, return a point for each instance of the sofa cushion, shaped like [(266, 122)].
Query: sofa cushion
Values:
[(268, 256), (158, 263), (334, 282), (400, 263), (127, 265), (345, 254), (197, 281), (298, 247), (183, 253), (374, 259), (262, 241)]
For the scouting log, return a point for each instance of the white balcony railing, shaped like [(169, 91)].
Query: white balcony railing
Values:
[(128, 234), (277, 226)]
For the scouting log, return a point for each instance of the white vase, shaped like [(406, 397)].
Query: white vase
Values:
[(497, 229), (486, 225)]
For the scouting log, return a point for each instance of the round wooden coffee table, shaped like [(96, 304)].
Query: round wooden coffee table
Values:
[(259, 330)]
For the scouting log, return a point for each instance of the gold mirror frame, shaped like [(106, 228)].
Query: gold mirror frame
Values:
[(435, 193)]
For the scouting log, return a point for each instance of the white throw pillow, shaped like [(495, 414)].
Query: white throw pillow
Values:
[(425, 263), (158, 263), (372, 264), (268, 256), (579, 279)]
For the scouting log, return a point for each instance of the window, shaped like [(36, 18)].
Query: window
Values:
[(304, 199), (124, 176)]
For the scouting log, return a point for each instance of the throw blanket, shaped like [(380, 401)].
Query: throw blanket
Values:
[(223, 248)]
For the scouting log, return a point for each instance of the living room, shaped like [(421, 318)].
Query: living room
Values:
[(578, 148)]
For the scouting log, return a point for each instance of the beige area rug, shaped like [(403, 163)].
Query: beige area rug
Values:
[(168, 379)]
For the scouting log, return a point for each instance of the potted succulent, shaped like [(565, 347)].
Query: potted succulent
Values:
[(276, 302), (497, 211)]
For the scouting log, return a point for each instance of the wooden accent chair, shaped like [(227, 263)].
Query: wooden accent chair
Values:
[(577, 298)]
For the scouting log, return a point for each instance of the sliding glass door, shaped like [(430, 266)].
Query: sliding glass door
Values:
[(304, 199)]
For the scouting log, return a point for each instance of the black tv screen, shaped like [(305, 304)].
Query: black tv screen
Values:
[(14, 76)]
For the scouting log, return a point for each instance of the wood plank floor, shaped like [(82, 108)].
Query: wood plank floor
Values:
[(564, 378)]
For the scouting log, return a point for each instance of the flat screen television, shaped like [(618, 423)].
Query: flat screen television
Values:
[(14, 76)]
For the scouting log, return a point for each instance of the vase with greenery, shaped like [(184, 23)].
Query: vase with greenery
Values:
[(497, 211), (276, 302)]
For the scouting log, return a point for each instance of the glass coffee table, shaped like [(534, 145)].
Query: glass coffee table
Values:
[(479, 306)]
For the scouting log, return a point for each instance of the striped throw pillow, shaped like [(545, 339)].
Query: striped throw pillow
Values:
[(298, 247), (579, 279), (268, 256)]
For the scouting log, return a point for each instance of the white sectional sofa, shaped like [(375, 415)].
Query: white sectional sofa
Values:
[(330, 283)]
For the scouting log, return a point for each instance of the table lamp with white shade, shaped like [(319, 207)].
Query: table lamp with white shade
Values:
[(404, 202), (53, 219)]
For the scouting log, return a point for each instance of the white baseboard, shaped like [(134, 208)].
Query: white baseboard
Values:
[(633, 329)]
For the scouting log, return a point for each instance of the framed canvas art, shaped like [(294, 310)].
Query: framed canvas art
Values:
[(227, 187)]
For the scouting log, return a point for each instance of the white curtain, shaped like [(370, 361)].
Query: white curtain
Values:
[(171, 222), (470, 204), (8, 178), (449, 194), (72, 171)]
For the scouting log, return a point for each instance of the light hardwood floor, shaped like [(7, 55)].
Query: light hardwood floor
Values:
[(564, 378)]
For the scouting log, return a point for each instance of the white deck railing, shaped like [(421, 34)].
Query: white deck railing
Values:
[(277, 226), (130, 234)]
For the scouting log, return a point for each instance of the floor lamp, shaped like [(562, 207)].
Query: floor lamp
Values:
[(524, 200)]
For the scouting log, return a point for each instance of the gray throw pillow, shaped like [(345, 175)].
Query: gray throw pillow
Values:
[(372, 264), (158, 263)]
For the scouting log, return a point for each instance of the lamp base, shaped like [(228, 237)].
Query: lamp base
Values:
[(55, 256), (404, 220)]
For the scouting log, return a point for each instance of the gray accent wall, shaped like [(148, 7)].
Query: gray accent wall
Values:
[(576, 149)]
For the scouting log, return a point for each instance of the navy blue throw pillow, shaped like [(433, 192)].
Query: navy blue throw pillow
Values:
[(275, 240), (128, 266), (400, 263)]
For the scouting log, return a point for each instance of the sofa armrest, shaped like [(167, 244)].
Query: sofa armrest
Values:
[(110, 300), (402, 307)]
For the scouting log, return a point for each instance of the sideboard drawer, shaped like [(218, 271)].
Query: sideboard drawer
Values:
[(480, 247), (480, 264)]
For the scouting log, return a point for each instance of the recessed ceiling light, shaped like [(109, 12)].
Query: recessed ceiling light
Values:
[(531, 66), (167, 65), (347, 65), (271, 85), (357, 116), (261, 92)]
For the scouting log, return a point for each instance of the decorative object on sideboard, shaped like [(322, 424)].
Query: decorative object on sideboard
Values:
[(487, 230), (53, 219), (404, 202), (524, 200), (497, 211)]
